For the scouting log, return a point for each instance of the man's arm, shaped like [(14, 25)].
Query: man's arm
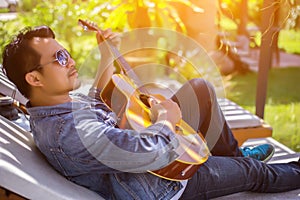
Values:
[(106, 67)]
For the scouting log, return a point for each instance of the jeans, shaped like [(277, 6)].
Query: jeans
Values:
[(200, 109), (230, 173), (220, 176)]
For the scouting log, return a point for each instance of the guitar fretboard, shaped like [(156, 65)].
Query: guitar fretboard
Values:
[(125, 67)]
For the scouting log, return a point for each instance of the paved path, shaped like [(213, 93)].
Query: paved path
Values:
[(7, 16), (285, 59), (289, 60)]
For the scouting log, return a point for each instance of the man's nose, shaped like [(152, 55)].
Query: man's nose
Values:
[(71, 63)]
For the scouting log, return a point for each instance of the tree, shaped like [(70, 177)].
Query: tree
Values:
[(130, 14)]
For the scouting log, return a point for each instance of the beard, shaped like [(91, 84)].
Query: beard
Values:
[(77, 84)]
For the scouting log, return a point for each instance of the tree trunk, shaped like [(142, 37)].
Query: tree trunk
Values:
[(265, 58), (242, 28)]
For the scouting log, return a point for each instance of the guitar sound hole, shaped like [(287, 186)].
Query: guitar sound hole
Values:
[(144, 98)]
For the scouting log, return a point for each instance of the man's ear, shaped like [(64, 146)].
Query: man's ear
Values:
[(33, 78)]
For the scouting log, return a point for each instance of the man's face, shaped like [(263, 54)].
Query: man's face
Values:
[(56, 79)]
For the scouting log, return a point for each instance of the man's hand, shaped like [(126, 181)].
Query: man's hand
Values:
[(167, 112), (106, 67)]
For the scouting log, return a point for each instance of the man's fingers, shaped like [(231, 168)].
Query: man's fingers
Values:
[(152, 101)]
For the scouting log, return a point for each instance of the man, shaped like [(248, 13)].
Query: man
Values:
[(80, 137)]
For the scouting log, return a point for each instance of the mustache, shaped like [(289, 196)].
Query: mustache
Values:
[(72, 71)]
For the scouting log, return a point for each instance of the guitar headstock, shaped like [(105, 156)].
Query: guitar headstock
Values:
[(88, 26)]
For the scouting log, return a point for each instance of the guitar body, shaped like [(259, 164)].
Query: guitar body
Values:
[(127, 102), (131, 106)]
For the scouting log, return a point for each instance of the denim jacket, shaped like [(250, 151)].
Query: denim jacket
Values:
[(81, 140)]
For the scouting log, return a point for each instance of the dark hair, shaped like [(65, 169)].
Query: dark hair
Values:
[(19, 57)]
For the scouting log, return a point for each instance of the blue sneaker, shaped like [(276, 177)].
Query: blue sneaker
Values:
[(262, 152)]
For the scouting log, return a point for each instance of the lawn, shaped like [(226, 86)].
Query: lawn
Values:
[(282, 109)]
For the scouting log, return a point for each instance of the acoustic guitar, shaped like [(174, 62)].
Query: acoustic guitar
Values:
[(130, 103)]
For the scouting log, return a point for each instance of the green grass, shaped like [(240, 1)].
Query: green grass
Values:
[(4, 10), (282, 109)]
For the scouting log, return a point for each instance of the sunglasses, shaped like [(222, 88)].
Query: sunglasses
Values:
[(62, 56)]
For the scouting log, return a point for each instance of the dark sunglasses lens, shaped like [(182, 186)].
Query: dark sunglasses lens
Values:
[(62, 57)]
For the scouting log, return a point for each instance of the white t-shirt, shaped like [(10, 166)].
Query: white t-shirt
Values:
[(179, 193)]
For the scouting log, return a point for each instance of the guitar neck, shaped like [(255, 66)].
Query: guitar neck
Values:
[(124, 66)]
